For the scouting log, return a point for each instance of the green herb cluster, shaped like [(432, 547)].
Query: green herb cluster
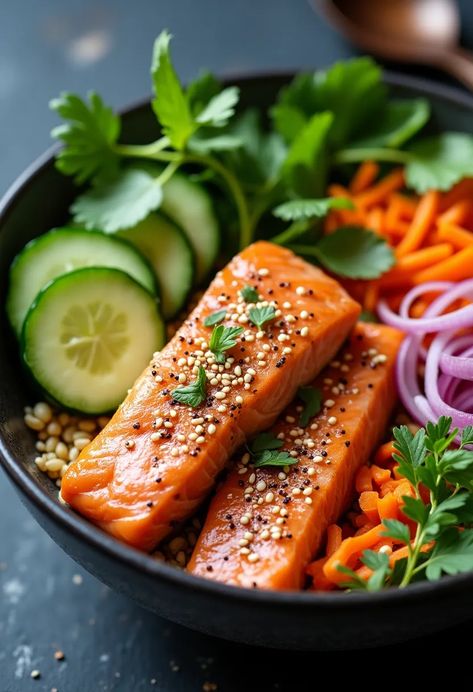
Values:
[(266, 451), (443, 539), (320, 122)]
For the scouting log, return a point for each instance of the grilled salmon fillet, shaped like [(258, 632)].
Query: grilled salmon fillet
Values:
[(157, 459), (264, 525)]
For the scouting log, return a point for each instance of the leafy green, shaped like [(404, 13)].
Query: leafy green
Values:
[(193, 394), (201, 90), (259, 316), (312, 398), (439, 162), (352, 252), (222, 339), (170, 103), (215, 318), (265, 441), (467, 435), (89, 133), (271, 457), (399, 122), (220, 108), (367, 316), (249, 294), (309, 208), (120, 203), (305, 167), (397, 530), (452, 554)]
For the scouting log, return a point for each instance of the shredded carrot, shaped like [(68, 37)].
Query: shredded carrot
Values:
[(365, 175), (334, 538), (348, 552), (371, 296), (375, 220), (380, 191), (462, 190), (423, 220), (384, 453), (336, 190), (457, 213), (455, 268), (369, 505), (363, 480), (458, 236)]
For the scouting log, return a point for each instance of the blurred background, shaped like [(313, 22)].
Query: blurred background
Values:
[(47, 603)]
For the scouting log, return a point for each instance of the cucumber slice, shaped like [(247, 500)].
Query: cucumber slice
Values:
[(88, 335), (60, 251), (190, 206), (169, 253)]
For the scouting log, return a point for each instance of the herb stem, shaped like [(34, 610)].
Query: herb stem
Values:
[(373, 154), (308, 250), (296, 229), (154, 151), (246, 227), (168, 172)]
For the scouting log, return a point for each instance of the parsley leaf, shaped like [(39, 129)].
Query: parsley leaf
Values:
[(215, 318), (265, 441), (397, 530), (312, 398), (170, 103), (120, 203), (439, 162), (220, 108), (222, 339), (88, 136), (305, 167), (249, 294), (193, 394), (352, 252), (272, 457), (201, 90), (399, 121), (309, 208), (259, 316), (467, 436), (452, 554)]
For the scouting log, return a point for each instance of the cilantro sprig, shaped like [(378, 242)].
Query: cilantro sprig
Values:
[(193, 394), (266, 451), (312, 399), (259, 316), (249, 294), (222, 339), (442, 542)]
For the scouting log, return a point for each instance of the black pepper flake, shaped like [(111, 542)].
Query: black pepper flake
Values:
[(370, 386), (149, 504), (241, 484), (225, 559), (347, 443), (342, 409), (229, 517), (324, 453), (154, 373), (158, 480), (286, 500), (209, 568), (232, 525), (136, 426)]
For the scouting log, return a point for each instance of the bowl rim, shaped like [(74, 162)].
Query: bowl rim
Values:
[(134, 559)]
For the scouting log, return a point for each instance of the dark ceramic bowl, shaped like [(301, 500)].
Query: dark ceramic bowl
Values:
[(291, 620)]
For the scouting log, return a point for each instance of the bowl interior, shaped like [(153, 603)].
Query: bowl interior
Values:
[(40, 201)]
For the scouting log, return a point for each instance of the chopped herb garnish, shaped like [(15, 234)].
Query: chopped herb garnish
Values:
[(312, 398), (265, 441), (222, 339), (249, 294), (215, 318), (194, 394), (259, 316), (273, 457)]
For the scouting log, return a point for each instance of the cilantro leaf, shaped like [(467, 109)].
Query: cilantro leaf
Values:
[(399, 121), (193, 394), (452, 554), (272, 457), (259, 316), (120, 203), (170, 103), (215, 318), (220, 108), (305, 167), (312, 398), (201, 90), (288, 120), (397, 530), (88, 137), (439, 162), (249, 294), (309, 208), (265, 441), (352, 252), (222, 339)]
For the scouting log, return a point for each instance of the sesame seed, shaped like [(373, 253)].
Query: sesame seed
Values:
[(332, 420), (263, 271), (193, 436), (311, 472), (329, 403), (304, 314), (265, 534), (300, 290), (35, 674), (253, 557), (245, 520), (129, 444), (308, 500), (211, 429), (174, 452), (220, 395), (252, 478), (245, 551), (286, 350), (304, 331), (307, 491), (243, 542), (260, 486), (318, 458), (200, 440), (269, 498), (222, 408)]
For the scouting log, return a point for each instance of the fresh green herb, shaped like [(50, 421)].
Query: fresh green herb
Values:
[(440, 162), (89, 133), (400, 121), (194, 394), (264, 441), (222, 339), (312, 398), (304, 169), (310, 208), (367, 316), (439, 545), (352, 252), (272, 457), (215, 318), (121, 203), (249, 294), (259, 316)]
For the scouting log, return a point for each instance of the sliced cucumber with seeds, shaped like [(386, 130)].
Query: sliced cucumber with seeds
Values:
[(88, 335), (60, 251), (190, 206), (170, 254)]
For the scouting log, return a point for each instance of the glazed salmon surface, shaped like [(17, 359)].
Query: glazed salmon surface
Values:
[(265, 524), (157, 459)]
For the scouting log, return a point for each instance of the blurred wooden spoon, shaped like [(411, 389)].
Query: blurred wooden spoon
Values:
[(420, 31)]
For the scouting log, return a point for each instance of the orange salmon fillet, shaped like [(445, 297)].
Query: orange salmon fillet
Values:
[(264, 525), (157, 459)]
